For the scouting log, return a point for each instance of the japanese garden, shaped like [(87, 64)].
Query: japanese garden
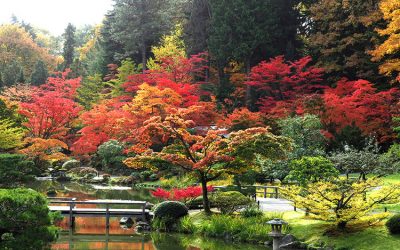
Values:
[(200, 124)]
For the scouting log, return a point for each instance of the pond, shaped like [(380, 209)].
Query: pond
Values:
[(91, 233)]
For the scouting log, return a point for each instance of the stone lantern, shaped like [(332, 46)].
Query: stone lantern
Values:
[(276, 233)]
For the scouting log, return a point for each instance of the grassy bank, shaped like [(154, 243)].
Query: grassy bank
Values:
[(313, 232)]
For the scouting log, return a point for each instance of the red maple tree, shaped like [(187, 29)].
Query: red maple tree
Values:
[(358, 103), (280, 84), (51, 109)]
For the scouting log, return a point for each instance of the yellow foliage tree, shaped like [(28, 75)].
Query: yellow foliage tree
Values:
[(44, 150), (16, 45), (342, 201), (171, 46), (151, 101), (391, 46), (90, 44), (10, 136)]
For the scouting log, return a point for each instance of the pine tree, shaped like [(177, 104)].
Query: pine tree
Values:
[(342, 34), (10, 74), (90, 91), (69, 45), (250, 31), (197, 27), (40, 73), (1, 81), (21, 77), (139, 24)]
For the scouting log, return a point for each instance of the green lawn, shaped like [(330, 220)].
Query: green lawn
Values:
[(392, 179), (312, 231)]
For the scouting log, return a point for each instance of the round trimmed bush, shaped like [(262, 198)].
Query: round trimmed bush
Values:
[(393, 224), (71, 164), (170, 209), (231, 201), (25, 222)]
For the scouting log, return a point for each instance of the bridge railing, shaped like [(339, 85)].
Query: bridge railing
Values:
[(72, 202), (271, 191)]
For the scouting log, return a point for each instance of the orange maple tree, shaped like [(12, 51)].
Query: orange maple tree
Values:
[(208, 155)]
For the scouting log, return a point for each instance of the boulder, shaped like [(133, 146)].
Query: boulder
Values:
[(142, 226), (290, 242), (149, 205), (295, 245), (288, 238), (268, 243), (126, 220)]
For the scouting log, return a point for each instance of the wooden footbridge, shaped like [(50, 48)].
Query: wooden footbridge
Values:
[(68, 207)]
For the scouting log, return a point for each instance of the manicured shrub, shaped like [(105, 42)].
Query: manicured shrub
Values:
[(145, 175), (393, 224), (112, 156), (167, 215), (14, 168), (84, 172), (25, 222), (153, 177), (231, 201), (71, 164), (247, 191), (170, 209)]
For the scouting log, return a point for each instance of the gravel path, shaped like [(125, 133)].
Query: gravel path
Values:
[(275, 205)]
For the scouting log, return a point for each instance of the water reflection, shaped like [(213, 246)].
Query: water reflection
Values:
[(70, 240), (91, 233)]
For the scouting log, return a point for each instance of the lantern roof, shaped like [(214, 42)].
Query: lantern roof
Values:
[(277, 221)]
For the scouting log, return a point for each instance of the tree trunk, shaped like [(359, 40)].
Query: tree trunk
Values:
[(342, 225), (248, 87), (144, 59), (206, 203)]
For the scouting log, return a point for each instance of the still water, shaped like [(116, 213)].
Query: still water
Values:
[(90, 233)]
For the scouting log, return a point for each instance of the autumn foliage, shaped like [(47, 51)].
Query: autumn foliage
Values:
[(358, 103), (280, 83), (180, 194), (51, 110)]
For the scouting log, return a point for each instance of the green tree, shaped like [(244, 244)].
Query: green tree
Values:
[(89, 92), (391, 159), (305, 131), (91, 54), (365, 161), (127, 68), (10, 136), (21, 77), (139, 24), (10, 74), (342, 34), (311, 169), (39, 74), (111, 152), (111, 48), (197, 27), (69, 45), (15, 168), (250, 31)]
